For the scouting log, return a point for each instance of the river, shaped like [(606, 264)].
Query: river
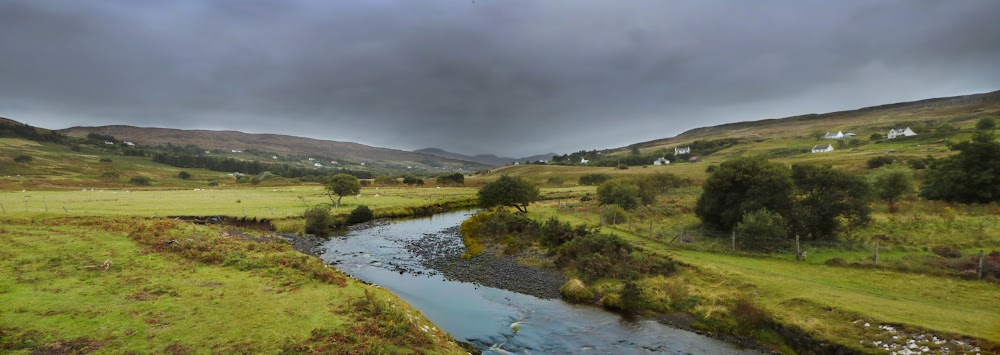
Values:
[(496, 320)]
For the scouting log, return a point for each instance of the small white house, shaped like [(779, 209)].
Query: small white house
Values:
[(516, 163), (905, 132), (823, 149), (311, 159), (109, 143), (237, 151), (362, 164), (682, 150), (130, 144), (661, 161), (838, 135), (274, 157), (334, 162), (318, 165), (584, 161)]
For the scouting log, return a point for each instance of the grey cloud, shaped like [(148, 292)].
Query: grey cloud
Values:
[(512, 77)]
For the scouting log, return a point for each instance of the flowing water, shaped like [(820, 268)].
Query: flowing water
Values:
[(496, 320)]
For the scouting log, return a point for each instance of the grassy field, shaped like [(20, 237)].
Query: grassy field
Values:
[(826, 301), (89, 284)]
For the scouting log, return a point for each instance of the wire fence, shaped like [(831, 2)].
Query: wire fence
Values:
[(871, 254)]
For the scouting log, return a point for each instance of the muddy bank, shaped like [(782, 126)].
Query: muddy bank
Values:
[(442, 252)]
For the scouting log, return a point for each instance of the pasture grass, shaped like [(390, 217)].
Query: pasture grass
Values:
[(77, 285)]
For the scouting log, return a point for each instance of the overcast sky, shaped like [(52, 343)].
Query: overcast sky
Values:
[(511, 77)]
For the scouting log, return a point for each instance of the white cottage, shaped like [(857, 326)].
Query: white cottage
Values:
[(584, 161), (318, 165), (823, 149), (838, 135), (661, 161), (682, 150), (905, 132)]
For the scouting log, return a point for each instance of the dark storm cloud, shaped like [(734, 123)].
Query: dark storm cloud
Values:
[(513, 77)]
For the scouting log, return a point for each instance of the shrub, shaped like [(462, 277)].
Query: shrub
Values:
[(360, 214), (318, 220), (985, 124), (594, 256), (451, 179), (748, 316), (213, 183), (969, 176), (140, 181), (761, 230), (75, 148), (593, 179), (184, 175), (879, 161), (574, 290), (613, 214), (105, 160), (622, 167), (365, 182), (711, 168), (22, 158), (619, 192), (386, 181), (555, 233)]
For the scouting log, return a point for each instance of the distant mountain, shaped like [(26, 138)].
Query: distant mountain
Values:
[(488, 159), (279, 144)]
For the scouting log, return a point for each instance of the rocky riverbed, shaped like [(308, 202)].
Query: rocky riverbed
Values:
[(442, 252)]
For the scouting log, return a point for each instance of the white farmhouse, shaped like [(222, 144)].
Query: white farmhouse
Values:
[(274, 157), (682, 150), (311, 159), (130, 144), (823, 149), (318, 165), (661, 161), (109, 143), (838, 135), (516, 163), (905, 132), (584, 161), (237, 151)]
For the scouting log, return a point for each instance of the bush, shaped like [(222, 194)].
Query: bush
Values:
[(184, 175), (360, 214), (213, 183), (318, 220), (451, 179), (22, 158), (986, 124), (75, 148), (105, 160), (593, 179), (879, 161), (574, 290), (386, 181), (761, 230), (613, 214), (619, 192), (140, 181), (711, 168), (595, 256), (556, 181), (622, 167), (555, 233)]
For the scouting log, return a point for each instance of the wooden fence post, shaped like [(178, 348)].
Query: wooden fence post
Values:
[(876, 254), (734, 241), (979, 269)]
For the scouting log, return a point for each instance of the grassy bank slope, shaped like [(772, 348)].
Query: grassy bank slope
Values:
[(79, 285)]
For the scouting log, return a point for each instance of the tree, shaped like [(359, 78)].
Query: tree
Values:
[(140, 181), (508, 191), (971, 176), (184, 175), (892, 183), (341, 185), (451, 179), (824, 197), (743, 185), (619, 192), (986, 124)]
